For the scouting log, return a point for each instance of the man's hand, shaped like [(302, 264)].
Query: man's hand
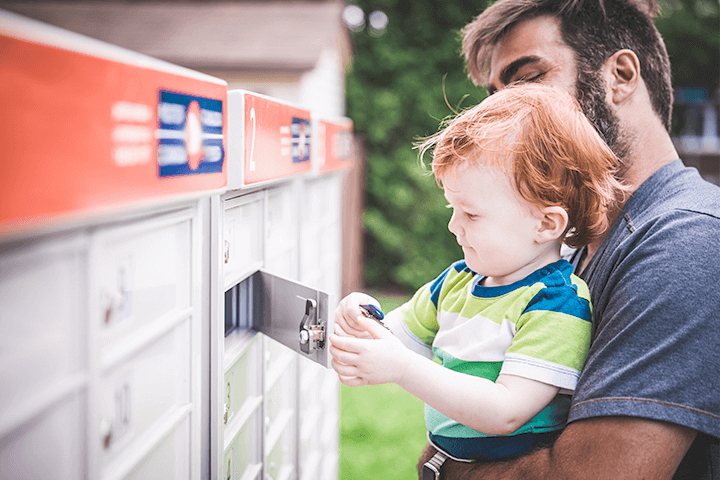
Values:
[(362, 361), (605, 448), (347, 313)]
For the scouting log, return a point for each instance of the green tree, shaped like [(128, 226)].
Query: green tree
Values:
[(691, 30), (405, 81)]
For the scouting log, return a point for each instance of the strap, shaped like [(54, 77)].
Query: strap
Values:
[(431, 469)]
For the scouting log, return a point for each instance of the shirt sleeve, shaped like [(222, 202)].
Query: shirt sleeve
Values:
[(415, 322), (552, 338), (655, 350)]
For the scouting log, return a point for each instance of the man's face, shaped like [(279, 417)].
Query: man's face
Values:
[(534, 51)]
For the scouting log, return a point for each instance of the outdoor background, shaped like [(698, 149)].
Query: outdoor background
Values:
[(404, 80)]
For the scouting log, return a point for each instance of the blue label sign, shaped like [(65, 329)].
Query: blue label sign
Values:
[(190, 135), (300, 140)]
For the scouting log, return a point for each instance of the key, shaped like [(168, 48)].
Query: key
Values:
[(371, 311)]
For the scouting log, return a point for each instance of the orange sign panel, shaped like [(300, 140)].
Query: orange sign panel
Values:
[(277, 140), (335, 145), (82, 133)]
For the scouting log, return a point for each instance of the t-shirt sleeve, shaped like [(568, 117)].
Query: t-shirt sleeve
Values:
[(415, 322), (552, 338), (655, 350)]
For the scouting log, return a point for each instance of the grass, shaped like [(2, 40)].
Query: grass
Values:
[(382, 428)]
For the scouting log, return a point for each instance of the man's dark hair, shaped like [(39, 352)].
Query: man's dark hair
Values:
[(594, 29)]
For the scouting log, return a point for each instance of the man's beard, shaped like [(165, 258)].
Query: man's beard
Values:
[(590, 93)]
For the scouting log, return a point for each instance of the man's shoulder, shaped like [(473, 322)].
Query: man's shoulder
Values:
[(675, 189)]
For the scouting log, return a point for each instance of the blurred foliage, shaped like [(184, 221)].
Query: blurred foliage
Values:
[(396, 93), (405, 81), (691, 30)]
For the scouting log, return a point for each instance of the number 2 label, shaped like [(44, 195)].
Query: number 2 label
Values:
[(252, 141)]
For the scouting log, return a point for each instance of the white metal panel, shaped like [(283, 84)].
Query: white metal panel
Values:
[(286, 418), (42, 316), (135, 395), (320, 260), (145, 358), (280, 461), (50, 446), (243, 383), (280, 401), (143, 273), (242, 248), (320, 236), (281, 219), (282, 263), (281, 237), (170, 459), (242, 459)]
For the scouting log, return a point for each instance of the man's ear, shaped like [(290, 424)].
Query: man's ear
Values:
[(623, 69), (553, 224)]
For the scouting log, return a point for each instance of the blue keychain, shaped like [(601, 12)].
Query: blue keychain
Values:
[(371, 311)]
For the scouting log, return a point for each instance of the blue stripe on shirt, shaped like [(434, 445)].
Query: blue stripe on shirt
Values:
[(558, 300), (436, 286)]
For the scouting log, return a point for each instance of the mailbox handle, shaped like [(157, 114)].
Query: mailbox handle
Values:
[(306, 334)]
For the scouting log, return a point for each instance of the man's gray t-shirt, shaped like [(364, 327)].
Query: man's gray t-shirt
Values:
[(655, 288)]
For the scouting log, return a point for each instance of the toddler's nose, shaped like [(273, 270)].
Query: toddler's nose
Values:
[(454, 226)]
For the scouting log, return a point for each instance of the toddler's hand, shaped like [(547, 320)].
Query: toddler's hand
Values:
[(347, 313), (362, 361)]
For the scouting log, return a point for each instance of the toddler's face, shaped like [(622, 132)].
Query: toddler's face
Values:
[(494, 226)]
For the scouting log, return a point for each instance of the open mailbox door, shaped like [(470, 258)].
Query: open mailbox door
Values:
[(292, 314)]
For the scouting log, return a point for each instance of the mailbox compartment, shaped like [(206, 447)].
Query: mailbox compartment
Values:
[(50, 446), (280, 460), (318, 431), (242, 382), (143, 274), (136, 395), (145, 328), (42, 314), (242, 241), (281, 233), (280, 395), (242, 458), (320, 235), (169, 459)]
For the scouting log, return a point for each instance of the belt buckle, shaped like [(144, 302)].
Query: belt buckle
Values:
[(431, 468)]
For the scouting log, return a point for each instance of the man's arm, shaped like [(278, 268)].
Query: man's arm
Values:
[(612, 448)]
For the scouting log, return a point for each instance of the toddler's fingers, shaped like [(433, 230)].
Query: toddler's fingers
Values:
[(352, 381)]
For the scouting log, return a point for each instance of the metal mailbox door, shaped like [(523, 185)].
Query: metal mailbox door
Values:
[(293, 314)]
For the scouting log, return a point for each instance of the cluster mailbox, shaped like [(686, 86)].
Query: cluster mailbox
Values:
[(278, 273), (169, 263)]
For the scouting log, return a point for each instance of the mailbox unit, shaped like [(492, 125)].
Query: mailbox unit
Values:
[(169, 263), (276, 261)]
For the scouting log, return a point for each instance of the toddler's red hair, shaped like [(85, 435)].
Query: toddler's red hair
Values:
[(539, 135)]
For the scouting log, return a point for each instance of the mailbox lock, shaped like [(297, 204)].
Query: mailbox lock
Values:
[(106, 432), (312, 335), (317, 333)]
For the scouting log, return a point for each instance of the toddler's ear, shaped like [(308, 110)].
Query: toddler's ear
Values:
[(552, 224)]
